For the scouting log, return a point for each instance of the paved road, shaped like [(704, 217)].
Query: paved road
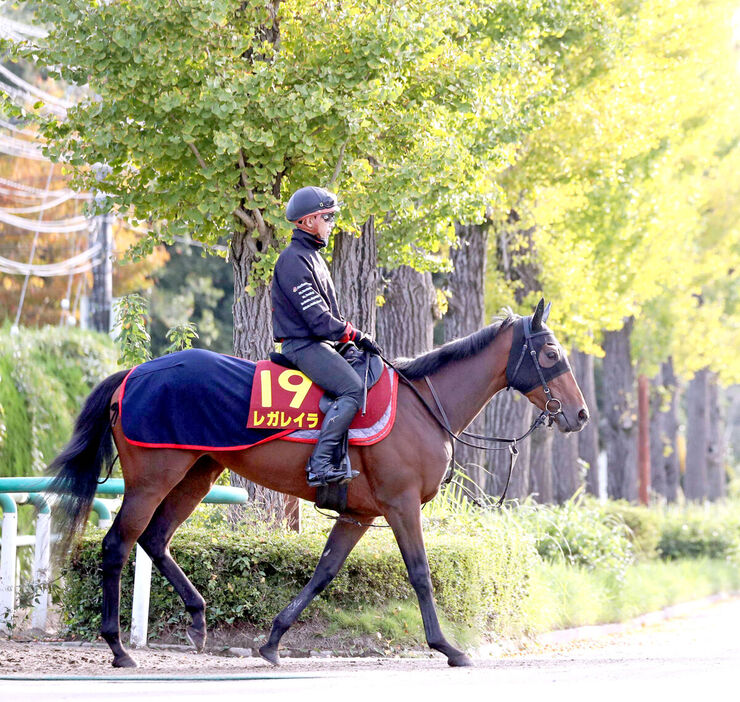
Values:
[(694, 656)]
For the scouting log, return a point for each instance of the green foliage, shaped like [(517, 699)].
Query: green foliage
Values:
[(210, 112), (193, 287), (250, 575), (45, 376), (581, 535), (488, 577), (694, 533), (133, 337), (563, 596), (643, 525), (181, 337)]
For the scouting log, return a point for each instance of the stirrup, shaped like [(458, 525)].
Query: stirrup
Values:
[(335, 476)]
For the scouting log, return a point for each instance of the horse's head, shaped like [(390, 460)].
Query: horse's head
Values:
[(538, 367)]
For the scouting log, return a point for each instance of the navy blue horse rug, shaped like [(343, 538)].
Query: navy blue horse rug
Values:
[(198, 399), (193, 399)]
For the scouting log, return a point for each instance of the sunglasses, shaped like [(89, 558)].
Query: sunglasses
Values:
[(328, 216)]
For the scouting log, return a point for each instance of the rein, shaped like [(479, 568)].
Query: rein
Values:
[(553, 407)]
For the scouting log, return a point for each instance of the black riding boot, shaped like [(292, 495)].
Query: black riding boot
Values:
[(326, 465)]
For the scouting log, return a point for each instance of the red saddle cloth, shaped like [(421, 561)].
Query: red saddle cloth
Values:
[(285, 399)]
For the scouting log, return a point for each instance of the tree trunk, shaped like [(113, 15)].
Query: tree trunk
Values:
[(406, 319), (697, 436), (252, 339), (465, 315), (620, 414), (588, 437), (716, 447), (252, 312), (540, 462), (508, 415), (670, 432), (354, 269), (566, 470)]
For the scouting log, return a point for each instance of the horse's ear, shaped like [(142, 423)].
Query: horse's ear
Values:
[(537, 316), (546, 313)]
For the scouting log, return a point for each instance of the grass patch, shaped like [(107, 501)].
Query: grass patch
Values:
[(563, 596), (395, 624)]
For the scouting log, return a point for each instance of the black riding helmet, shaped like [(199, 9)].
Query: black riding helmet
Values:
[(310, 200)]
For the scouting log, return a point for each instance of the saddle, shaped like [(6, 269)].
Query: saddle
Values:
[(356, 358), (370, 368)]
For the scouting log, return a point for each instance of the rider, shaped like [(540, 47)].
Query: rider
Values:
[(306, 320)]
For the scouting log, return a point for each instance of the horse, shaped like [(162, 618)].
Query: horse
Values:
[(397, 475)]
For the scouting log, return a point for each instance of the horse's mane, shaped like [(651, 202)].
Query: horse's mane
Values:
[(456, 350)]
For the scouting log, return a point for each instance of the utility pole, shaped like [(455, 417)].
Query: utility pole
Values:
[(101, 297), (643, 436)]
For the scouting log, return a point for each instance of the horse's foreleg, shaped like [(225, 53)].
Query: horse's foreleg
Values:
[(341, 541), (406, 525), (171, 513)]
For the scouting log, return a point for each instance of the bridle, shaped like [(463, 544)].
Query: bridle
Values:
[(553, 406), (529, 346)]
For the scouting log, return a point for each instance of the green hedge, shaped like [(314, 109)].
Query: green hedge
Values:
[(248, 576), (700, 533), (45, 375)]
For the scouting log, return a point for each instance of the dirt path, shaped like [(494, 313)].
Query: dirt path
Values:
[(708, 633)]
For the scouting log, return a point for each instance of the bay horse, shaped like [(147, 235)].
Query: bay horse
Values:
[(397, 475)]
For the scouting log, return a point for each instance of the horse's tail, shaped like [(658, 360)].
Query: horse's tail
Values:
[(78, 467)]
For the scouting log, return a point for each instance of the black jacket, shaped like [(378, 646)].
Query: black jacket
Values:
[(304, 302)]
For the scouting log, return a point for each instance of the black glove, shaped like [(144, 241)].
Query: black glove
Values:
[(365, 342)]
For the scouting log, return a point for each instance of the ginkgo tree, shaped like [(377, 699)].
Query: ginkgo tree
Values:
[(211, 113)]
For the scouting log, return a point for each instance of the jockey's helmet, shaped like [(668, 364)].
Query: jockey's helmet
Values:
[(310, 200)]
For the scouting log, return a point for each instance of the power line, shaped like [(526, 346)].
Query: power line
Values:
[(12, 29), (79, 263), (19, 147), (18, 130), (52, 226), (37, 208), (21, 97), (30, 258), (38, 193), (48, 98)]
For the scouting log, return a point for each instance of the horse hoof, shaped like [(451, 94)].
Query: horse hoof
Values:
[(270, 654), (197, 638), (124, 661), (459, 661)]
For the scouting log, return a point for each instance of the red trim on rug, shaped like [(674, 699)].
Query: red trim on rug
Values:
[(210, 448)]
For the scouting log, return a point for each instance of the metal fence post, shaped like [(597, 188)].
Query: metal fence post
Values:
[(142, 590), (7, 561), (41, 562)]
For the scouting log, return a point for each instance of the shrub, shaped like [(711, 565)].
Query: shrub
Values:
[(643, 525), (248, 576), (46, 374), (695, 533), (580, 533)]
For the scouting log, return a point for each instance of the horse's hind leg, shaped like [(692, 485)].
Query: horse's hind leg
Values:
[(406, 525), (174, 510), (341, 541), (142, 497)]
